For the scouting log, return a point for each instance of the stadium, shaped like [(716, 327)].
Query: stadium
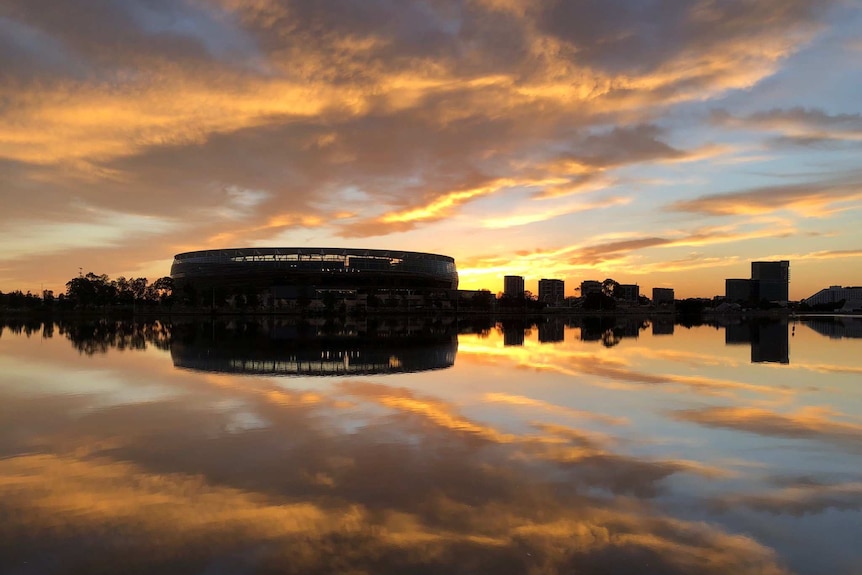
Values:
[(283, 276)]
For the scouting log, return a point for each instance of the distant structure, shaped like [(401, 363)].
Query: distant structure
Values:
[(770, 281), (513, 286), (627, 292), (739, 291), (552, 291), (836, 294), (590, 286), (773, 280), (662, 296)]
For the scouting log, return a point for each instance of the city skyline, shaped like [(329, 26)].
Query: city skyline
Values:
[(663, 145)]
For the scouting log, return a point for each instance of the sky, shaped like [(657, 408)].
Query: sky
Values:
[(666, 143)]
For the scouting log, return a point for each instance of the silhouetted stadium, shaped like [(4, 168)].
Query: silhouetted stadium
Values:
[(291, 273)]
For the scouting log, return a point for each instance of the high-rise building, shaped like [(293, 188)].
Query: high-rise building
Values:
[(773, 279), (513, 286), (552, 291)]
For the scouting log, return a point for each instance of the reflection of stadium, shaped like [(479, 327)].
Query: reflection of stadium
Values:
[(292, 274), (286, 352)]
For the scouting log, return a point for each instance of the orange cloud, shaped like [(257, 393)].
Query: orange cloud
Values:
[(806, 423)]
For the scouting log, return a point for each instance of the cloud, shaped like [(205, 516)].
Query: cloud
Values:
[(619, 250), (99, 229), (799, 125), (797, 500), (808, 200), (159, 107)]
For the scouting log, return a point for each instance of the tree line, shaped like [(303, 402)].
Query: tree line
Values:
[(94, 291)]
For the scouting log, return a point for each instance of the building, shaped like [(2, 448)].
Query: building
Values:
[(834, 294), (739, 290), (314, 275), (627, 292), (662, 296), (590, 286), (552, 291), (513, 286), (773, 280)]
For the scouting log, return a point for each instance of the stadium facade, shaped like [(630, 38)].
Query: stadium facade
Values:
[(281, 277)]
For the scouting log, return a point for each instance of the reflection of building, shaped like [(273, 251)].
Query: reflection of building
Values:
[(836, 327), (552, 291), (291, 350), (513, 286), (768, 340), (551, 331), (773, 279), (662, 296), (737, 334), (662, 326), (513, 332)]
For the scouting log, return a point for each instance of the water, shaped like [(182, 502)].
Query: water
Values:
[(587, 446)]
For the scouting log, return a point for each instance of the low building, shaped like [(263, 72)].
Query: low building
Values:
[(833, 295), (627, 292), (590, 286), (662, 296), (552, 291), (739, 290)]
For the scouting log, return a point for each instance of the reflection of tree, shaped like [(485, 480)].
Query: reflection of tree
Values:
[(611, 330), (98, 336)]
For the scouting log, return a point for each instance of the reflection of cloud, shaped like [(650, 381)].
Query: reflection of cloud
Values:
[(520, 400), (174, 481), (170, 518), (807, 423), (615, 371)]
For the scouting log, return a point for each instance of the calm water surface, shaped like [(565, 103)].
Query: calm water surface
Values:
[(589, 446)]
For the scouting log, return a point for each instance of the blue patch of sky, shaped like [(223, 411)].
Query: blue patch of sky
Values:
[(214, 30)]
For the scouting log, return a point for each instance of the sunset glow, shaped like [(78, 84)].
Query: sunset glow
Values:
[(663, 143)]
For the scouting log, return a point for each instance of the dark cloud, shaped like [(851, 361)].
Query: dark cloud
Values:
[(643, 35)]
